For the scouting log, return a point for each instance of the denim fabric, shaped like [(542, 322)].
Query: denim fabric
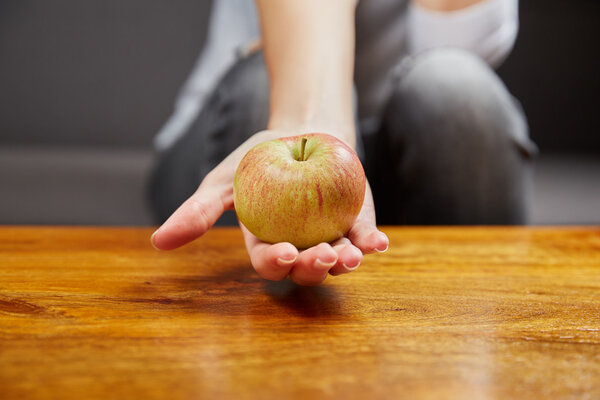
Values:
[(451, 146)]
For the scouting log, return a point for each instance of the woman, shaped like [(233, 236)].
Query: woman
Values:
[(441, 139)]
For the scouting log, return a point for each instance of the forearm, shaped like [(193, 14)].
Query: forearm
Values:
[(309, 52)]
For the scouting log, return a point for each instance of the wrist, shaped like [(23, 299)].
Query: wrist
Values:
[(309, 53), (308, 118)]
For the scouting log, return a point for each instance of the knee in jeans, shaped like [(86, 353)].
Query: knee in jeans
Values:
[(246, 86), (237, 109), (449, 91), (454, 130)]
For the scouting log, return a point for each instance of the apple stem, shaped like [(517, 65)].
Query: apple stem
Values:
[(302, 147)]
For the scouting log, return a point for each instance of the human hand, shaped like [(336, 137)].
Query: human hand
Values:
[(271, 261)]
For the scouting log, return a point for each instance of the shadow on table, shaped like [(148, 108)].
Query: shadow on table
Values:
[(235, 291), (311, 302)]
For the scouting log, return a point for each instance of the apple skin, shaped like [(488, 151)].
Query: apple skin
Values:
[(281, 199)]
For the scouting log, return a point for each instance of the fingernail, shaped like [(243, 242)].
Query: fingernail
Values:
[(284, 263), (323, 265), (384, 250), (351, 268), (152, 240)]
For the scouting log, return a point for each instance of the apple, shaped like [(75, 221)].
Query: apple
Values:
[(304, 189)]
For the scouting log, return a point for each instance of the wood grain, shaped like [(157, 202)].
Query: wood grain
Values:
[(447, 313)]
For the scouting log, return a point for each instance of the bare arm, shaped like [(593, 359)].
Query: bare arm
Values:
[(445, 5), (309, 51)]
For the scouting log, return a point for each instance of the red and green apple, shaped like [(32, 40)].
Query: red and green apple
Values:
[(304, 189)]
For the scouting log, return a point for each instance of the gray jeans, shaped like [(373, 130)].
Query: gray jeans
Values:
[(452, 146)]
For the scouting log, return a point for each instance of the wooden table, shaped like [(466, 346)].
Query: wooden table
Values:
[(446, 313)]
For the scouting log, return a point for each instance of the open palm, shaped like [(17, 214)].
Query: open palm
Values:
[(271, 261)]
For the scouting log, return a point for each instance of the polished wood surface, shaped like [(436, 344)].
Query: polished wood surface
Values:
[(462, 313)]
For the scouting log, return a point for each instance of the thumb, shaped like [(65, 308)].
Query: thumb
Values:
[(195, 216)]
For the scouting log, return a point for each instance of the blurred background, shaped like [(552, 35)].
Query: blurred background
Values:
[(85, 85)]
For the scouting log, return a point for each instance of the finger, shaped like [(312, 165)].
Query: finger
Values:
[(313, 265), (364, 233), (349, 257), (195, 216), (271, 261), (368, 238)]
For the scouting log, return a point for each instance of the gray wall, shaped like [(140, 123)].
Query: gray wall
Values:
[(555, 71), (93, 72)]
